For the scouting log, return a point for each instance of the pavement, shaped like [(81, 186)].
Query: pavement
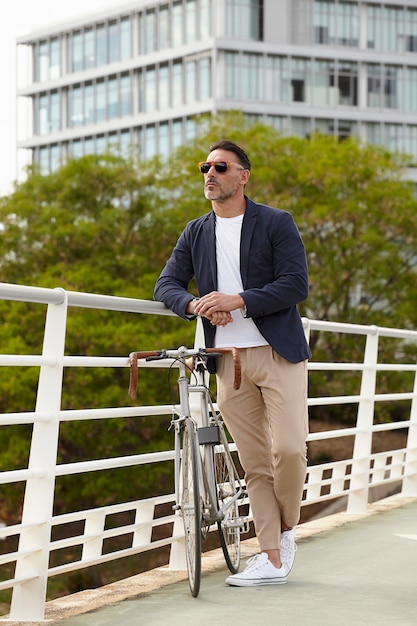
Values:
[(350, 570)]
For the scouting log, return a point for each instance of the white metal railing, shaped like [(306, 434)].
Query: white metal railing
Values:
[(352, 478)]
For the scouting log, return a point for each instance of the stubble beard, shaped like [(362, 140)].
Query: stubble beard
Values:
[(219, 194)]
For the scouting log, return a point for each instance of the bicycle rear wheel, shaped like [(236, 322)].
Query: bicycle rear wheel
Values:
[(190, 506), (229, 528)]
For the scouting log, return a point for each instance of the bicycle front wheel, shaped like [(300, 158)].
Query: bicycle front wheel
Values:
[(229, 529), (190, 506)]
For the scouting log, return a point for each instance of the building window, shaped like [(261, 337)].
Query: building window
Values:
[(177, 85), (177, 36), (112, 99), (147, 30), (407, 90), (101, 47), (336, 23), (345, 78), (89, 104), (163, 28), (125, 39), (149, 144), (190, 21), (322, 92), (204, 79), (44, 166), (163, 140), (99, 101), (392, 28), (150, 97), (172, 25), (190, 76), (273, 78), (204, 19), (410, 40), (106, 43), (232, 81), (75, 107), (55, 112), (101, 144), (244, 19), (76, 57), (176, 134), (342, 129), (113, 42), (382, 86), (55, 158), (47, 113), (125, 95), (300, 79), (334, 83), (89, 49), (55, 59), (47, 60), (251, 71)]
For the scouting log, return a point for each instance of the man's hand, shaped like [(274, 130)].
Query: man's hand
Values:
[(217, 307), (221, 318)]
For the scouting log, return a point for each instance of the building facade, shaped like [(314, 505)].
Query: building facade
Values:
[(139, 74)]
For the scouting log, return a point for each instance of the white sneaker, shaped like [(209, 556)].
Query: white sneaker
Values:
[(288, 549), (259, 571)]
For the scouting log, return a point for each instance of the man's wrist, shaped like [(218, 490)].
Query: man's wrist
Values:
[(242, 306)]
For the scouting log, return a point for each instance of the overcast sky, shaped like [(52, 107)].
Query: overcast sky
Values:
[(20, 18)]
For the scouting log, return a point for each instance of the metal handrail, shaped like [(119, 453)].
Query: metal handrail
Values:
[(351, 478)]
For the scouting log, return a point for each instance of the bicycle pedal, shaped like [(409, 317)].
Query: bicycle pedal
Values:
[(243, 524), (238, 522)]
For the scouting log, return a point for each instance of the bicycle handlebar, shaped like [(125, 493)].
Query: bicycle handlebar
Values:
[(181, 353)]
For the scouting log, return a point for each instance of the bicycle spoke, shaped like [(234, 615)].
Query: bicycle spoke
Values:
[(229, 529)]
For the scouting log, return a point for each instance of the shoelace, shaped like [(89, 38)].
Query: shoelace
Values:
[(288, 548), (255, 562)]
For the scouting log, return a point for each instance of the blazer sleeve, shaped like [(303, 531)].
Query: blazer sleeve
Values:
[(171, 288)]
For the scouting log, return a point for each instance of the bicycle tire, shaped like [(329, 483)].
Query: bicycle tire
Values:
[(229, 530), (190, 505)]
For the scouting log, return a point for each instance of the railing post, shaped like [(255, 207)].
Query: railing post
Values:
[(409, 488), (28, 600), (359, 487)]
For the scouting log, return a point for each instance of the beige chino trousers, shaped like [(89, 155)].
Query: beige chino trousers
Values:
[(268, 420)]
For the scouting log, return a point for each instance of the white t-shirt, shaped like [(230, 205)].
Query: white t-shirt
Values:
[(242, 332)]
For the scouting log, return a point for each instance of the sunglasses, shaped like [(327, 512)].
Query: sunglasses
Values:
[(219, 166)]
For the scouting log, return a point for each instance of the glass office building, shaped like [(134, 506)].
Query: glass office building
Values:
[(139, 74)]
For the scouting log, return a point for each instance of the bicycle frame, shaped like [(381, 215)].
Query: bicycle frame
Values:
[(211, 513), (207, 484)]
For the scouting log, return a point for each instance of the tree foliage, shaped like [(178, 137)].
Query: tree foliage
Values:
[(105, 224)]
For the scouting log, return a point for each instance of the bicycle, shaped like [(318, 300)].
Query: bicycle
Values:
[(208, 488)]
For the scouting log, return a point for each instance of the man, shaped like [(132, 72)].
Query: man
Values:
[(250, 265)]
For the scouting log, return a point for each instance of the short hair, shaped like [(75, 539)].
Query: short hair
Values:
[(230, 146)]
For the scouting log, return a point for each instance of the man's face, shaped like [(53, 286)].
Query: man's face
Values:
[(223, 186)]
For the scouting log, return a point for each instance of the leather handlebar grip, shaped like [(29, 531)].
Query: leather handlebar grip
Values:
[(133, 362), (236, 363)]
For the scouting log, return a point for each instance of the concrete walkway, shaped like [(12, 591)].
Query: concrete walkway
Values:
[(349, 571)]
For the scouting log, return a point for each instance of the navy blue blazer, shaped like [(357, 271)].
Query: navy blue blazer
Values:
[(273, 267)]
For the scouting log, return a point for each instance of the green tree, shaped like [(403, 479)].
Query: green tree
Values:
[(105, 224), (86, 228)]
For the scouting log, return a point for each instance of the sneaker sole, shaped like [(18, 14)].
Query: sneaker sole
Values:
[(255, 582)]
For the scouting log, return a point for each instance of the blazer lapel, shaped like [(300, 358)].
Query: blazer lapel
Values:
[(210, 245), (248, 226)]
